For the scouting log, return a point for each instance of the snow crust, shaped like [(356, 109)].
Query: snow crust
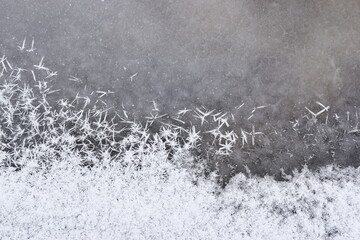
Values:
[(161, 201)]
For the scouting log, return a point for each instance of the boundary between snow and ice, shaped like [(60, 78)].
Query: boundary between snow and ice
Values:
[(133, 191)]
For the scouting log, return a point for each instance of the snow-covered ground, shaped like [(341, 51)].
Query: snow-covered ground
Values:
[(161, 201)]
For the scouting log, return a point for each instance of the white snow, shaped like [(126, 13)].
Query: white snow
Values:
[(69, 202)]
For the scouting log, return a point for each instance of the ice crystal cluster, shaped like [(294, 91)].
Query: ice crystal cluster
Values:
[(72, 169)]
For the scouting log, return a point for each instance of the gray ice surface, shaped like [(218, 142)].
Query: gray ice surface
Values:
[(194, 52)]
